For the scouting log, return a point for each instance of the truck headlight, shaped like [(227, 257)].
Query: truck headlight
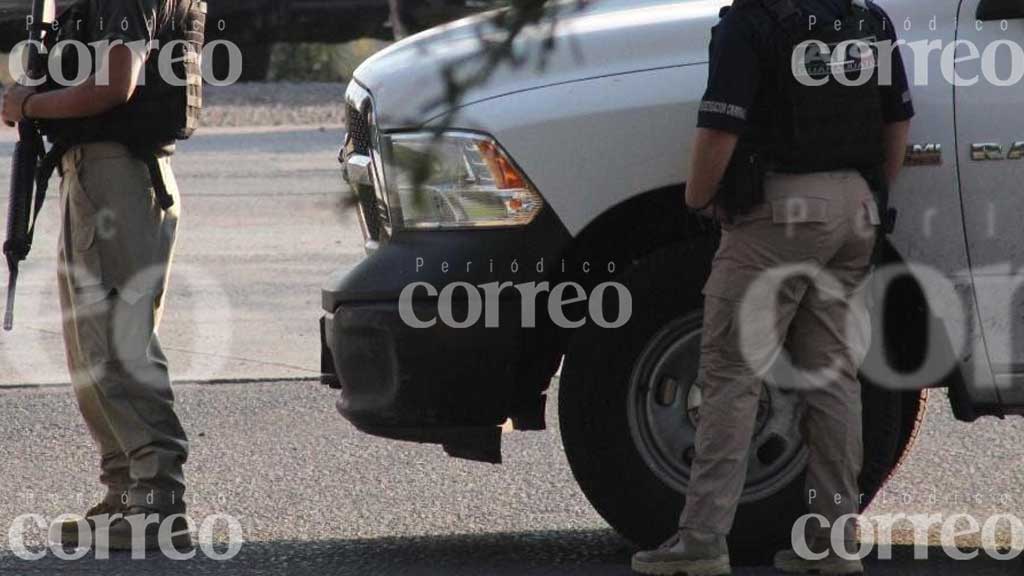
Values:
[(465, 181)]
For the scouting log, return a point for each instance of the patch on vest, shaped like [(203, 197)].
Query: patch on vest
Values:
[(849, 59)]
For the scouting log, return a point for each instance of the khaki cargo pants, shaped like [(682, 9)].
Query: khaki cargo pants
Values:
[(787, 284), (115, 253)]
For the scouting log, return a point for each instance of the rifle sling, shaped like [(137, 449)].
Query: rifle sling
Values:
[(47, 164)]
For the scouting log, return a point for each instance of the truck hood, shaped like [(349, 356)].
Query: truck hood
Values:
[(606, 38)]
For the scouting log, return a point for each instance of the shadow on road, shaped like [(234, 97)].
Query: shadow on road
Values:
[(583, 553)]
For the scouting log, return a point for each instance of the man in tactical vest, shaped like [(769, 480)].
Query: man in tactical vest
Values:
[(112, 136), (796, 165)]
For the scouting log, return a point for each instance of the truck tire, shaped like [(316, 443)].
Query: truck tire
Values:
[(626, 462)]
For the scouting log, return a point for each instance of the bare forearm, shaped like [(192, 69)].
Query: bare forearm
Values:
[(712, 152), (119, 73), (896, 137), (79, 101)]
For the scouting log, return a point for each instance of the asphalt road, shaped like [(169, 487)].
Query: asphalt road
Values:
[(261, 230), (316, 497)]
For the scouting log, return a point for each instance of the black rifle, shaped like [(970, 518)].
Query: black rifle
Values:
[(27, 195)]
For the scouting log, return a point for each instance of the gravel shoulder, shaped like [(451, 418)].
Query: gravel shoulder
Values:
[(274, 104)]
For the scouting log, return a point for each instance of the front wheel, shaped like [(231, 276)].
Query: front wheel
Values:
[(629, 404)]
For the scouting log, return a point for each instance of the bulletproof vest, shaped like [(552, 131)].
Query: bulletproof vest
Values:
[(162, 110), (811, 121)]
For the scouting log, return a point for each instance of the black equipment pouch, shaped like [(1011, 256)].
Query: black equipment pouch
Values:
[(193, 19), (742, 186)]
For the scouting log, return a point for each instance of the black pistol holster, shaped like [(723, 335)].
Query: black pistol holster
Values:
[(879, 184), (742, 186)]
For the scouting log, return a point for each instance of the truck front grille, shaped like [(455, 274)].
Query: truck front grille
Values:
[(358, 114), (358, 129)]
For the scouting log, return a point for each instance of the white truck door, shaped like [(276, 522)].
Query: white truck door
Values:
[(989, 100)]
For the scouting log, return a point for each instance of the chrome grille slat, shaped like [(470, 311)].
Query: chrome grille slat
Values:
[(358, 129), (358, 114)]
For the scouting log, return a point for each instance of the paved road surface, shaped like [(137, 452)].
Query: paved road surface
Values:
[(316, 497)]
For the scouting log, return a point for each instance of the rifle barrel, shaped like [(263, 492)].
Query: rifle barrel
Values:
[(12, 288)]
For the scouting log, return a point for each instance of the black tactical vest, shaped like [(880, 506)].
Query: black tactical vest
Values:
[(159, 112), (811, 121)]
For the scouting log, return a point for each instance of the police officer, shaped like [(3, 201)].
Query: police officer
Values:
[(796, 148), (120, 210)]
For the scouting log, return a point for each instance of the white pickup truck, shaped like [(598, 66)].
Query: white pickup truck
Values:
[(572, 173)]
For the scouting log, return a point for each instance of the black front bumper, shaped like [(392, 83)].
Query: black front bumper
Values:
[(441, 383), (395, 376)]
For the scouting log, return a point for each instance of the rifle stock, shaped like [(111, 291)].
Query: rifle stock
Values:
[(27, 153)]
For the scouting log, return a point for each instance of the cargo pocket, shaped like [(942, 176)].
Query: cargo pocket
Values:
[(86, 263)]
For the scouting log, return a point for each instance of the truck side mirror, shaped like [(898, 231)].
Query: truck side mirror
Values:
[(989, 10)]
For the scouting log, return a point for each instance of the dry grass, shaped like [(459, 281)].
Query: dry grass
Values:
[(320, 62)]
